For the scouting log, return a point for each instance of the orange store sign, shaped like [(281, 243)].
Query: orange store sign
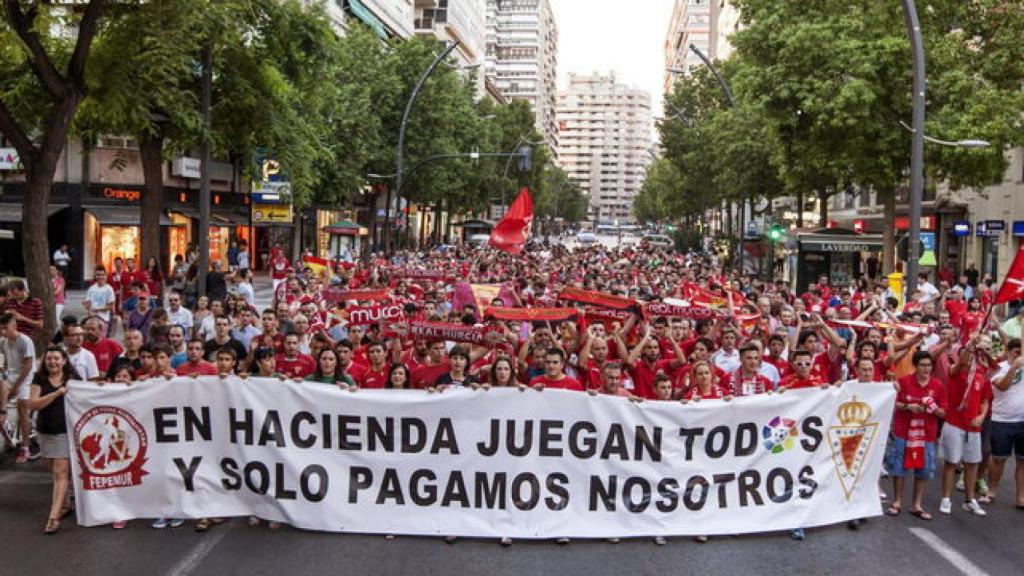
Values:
[(122, 194)]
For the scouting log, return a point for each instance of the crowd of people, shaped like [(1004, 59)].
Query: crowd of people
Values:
[(957, 370)]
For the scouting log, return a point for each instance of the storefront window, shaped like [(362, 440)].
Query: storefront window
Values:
[(117, 241), (219, 244), (990, 256)]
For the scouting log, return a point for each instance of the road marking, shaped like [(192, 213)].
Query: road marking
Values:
[(958, 560), (186, 565)]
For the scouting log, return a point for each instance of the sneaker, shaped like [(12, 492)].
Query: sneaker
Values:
[(33, 456), (119, 525), (614, 540), (797, 534), (981, 486), (176, 522), (505, 541), (960, 481), (22, 456), (449, 539), (853, 524), (562, 541), (160, 523), (659, 540), (883, 496), (946, 506), (701, 539), (973, 507)]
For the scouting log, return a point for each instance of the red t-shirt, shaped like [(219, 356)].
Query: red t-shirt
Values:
[(426, 374), (374, 378), (827, 369), (736, 386), (565, 383), (969, 324), (956, 309), (278, 267), (105, 350), (715, 393), (201, 368), (780, 364), (643, 376), (795, 382), (911, 392), (299, 367), (956, 389)]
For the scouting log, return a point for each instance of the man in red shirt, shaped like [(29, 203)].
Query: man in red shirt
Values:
[(345, 358), (194, 364), (293, 363), (968, 397), (554, 373), (802, 376), (776, 346), (27, 311), (104, 349), (920, 404), (645, 362), (594, 356), (376, 375), (747, 380)]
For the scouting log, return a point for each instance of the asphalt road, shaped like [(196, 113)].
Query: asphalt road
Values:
[(959, 544)]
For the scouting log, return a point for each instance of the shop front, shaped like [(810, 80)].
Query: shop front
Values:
[(345, 239), (11, 261), (837, 253), (990, 233), (113, 232), (273, 225)]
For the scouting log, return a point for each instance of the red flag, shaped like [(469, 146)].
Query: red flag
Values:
[(510, 233), (1012, 287)]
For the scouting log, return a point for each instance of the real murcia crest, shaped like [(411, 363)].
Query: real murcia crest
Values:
[(851, 442)]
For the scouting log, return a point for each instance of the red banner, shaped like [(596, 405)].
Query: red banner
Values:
[(363, 315), (530, 314), (690, 312), (446, 331), (606, 317), (597, 298), (509, 235), (366, 294), (703, 297)]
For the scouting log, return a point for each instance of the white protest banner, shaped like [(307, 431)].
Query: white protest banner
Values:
[(504, 462)]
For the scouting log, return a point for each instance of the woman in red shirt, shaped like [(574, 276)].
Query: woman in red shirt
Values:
[(704, 385)]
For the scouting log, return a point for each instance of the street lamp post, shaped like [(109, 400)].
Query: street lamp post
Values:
[(917, 144), (400, 150)]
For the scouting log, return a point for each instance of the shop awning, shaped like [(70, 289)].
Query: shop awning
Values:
[(360, 11), (344, 228), (231, 217), (12, 212), (841, 243), (121, 216)]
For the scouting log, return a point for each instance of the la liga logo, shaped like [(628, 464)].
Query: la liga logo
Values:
[(779, 434), (111, 448)]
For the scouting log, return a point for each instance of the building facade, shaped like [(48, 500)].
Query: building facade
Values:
[(522, 55), (388, 18), (691, 23), (725, 21), (984, 227), (604, 142), (456, 20)]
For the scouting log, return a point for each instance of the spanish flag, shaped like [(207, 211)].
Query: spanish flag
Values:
[(319, 266)]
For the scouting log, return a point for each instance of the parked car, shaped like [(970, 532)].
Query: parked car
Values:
[(659, 240), (586, 238), (479, 239)]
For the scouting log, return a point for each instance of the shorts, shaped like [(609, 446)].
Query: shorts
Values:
[(1008, 439), (24, 392), (894, 460), (54, 446), (957, 445)]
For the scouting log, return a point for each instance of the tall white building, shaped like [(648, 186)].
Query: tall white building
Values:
[(522, 53), (604, 142), (691, 23), (725, 22), (456, 20)]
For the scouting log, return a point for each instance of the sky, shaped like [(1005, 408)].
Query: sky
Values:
[(621, 36)]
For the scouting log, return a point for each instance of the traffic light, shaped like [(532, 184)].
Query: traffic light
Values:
[(525, 158), (776, 233)]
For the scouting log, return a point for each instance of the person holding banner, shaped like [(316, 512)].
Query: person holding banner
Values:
[(920, 404), (398, 377), (645, 362), (457, 375), (554, 373), (502, 373), (329, 371), (703, 385), (46, 396)]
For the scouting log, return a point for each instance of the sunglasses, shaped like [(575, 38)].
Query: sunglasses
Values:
[(801, 363)]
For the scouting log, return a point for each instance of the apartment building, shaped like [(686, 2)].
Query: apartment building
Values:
[(456, 20), (691, 23), (604, 142), (388, 18), (521, 57)]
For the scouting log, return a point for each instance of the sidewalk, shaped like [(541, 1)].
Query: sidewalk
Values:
[(262, 285)]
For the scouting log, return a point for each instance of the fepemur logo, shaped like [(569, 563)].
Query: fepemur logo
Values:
[(111, 448)]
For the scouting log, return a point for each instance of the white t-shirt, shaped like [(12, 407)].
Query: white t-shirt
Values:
[(1008, 405), (726, 361), (183, 318), (245, 289), (16, 352), (206, 330), (84, 362), (98, 297)]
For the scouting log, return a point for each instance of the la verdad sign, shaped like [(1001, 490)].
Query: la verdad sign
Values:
[(504, 462)]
